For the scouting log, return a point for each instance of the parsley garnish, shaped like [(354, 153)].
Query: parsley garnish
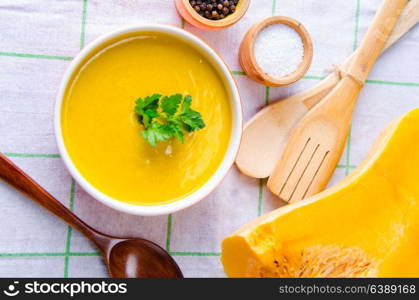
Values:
[(166, 117)]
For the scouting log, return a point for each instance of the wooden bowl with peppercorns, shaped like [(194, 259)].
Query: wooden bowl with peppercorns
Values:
[(212, 14)]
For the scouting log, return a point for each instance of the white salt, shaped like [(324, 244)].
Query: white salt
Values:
[(278, 50)]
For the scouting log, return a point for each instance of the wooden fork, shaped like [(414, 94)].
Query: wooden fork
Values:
[(317, 143), (266, 134)]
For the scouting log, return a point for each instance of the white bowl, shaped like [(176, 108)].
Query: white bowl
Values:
[(237, 119)]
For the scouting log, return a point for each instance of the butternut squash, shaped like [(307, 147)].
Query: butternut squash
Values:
[(365, 226)]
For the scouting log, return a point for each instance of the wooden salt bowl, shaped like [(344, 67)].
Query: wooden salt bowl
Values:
[(187, 12), (255, 72)]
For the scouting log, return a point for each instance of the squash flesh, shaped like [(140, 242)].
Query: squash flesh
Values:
[(373, 214)]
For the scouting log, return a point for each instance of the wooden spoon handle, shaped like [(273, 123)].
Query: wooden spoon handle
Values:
[(376, 38), (10, 173), (408, 19)]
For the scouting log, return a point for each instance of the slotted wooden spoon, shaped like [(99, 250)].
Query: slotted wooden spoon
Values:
[(266, 134), (315, 146)]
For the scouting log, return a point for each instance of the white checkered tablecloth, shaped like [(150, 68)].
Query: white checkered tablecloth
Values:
[(38, 39)]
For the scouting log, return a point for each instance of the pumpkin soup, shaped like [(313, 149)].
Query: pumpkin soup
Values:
[(101, 129)]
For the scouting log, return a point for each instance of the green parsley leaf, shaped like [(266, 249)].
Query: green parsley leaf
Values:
[(186, 105), (157, 132), (169, 105), (192, 120), (162, 119), (147, 109), (177, 130)]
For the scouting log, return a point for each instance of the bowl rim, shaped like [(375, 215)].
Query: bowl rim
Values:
[(236, 131)]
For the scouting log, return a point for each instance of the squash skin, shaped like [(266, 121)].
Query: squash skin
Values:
[(373, 214)]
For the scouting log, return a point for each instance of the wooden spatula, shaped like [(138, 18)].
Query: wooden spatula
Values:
[(315, 146), (266, 134)]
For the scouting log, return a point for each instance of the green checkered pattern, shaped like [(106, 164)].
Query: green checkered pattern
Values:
[(262, 183)]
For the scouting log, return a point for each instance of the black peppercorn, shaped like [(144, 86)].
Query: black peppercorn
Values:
[(214, 9)]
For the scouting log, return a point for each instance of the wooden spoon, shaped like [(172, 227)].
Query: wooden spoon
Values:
[(317, 143), (265, 135), (124, 257)]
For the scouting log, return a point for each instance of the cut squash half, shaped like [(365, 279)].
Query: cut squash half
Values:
[(365, 226)]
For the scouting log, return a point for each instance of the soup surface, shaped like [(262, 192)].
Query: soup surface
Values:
[(102, 133)]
